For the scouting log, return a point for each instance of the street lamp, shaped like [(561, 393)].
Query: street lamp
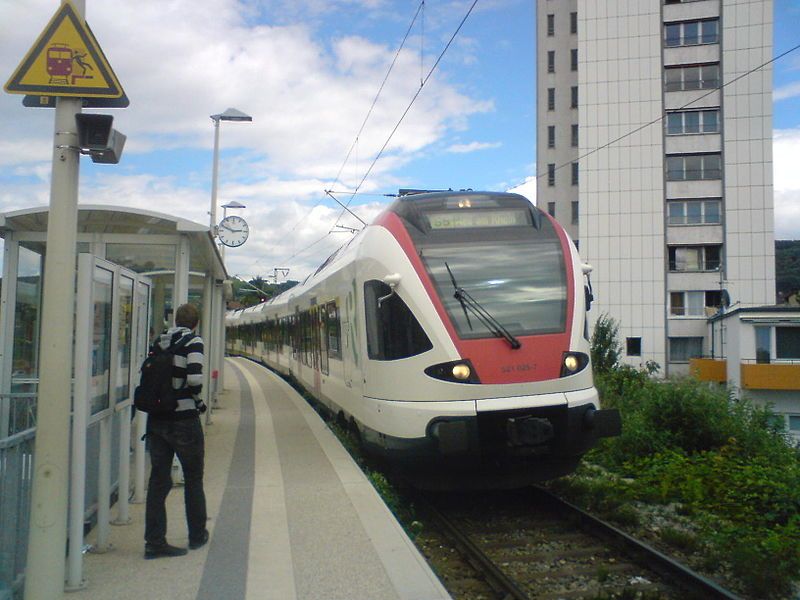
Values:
[(231, 114)]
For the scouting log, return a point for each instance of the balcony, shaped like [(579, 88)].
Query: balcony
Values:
[(770, 376), (709, 369)]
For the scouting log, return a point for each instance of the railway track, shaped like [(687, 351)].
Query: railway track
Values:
[(531, 544)]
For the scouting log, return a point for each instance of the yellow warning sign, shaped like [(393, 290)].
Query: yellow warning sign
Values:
[(66, 60)]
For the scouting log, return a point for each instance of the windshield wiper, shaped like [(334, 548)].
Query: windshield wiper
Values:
[(469, 303)]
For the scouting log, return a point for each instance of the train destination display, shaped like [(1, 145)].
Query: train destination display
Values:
[(469, 219)]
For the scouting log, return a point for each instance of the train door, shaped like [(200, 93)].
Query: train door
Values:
[(323, 339)]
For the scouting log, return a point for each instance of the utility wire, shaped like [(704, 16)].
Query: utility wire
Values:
[(664, 116), (369, 112), (410, 104)]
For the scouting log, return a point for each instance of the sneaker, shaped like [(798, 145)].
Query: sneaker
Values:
[(162, 550), (194, 544)]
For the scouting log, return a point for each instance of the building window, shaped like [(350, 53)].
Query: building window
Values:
[(694, 212), (693, 121), (691, 77), (551, 61), (694, 258), (794, 423), (573, 22), (574, 97), (551, 98), (575, 212), (763, 343), (787, 342), (573, 59), (551, 25), (633, 346), (551, 174), (574, 136), (681, 349), (551, 136), (691, 33), (694, 167), (574, 173), (551, 209), (694, 304)]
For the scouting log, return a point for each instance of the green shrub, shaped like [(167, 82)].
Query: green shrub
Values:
[(605, 347)]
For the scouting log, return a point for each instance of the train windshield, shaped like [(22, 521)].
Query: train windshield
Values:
[(520, 280)]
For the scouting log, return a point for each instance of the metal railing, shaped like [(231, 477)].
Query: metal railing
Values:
[(16, 477)]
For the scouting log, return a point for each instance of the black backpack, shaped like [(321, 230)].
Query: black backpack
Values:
[(154, 394)]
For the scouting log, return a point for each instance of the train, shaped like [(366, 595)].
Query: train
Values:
[(451, 336)]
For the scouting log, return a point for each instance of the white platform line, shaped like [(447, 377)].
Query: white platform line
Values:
[(270, 572)]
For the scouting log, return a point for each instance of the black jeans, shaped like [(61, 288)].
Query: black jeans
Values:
[(166, 439)]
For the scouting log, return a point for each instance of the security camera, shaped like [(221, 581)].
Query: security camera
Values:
[(97, 138)]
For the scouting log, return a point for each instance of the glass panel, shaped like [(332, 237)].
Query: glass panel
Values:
[(712, 211), (693, 212), (393, 331), (674, 123), (712, 258), (710, 31), (794, 422), (691, 78), (142, 258), (672, 79), (763, 343), (675, 168), (676, 216), (687, 259), (712, 166), (676, 306), (683, 348), (101, 339), (673, 34), (693, 167), (691, 33), (696, 302), (787, 342), (551, 98), (124, 338), (691, 122), (521, 283), (710, 78), (710, 121), (25, 368)]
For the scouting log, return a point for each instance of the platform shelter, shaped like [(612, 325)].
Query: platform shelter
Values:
[(133, 268)]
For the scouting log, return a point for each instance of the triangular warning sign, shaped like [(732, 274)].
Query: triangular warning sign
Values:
[(66, 60)]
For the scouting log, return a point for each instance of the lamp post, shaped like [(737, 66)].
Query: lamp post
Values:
[(218, 354), (231, 114)]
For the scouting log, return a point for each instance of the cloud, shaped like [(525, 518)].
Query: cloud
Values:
[(786, 183), (786, 91), (473, 146), (527, 188)]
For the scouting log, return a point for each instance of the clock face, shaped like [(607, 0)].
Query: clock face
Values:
[(233, 231)]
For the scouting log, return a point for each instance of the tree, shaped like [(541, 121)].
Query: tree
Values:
[(606, 348)]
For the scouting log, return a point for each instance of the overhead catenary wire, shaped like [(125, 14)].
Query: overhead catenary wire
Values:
[(354, 144), (410, 104)]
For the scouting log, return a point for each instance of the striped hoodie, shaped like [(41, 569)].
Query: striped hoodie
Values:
[(187, 371)]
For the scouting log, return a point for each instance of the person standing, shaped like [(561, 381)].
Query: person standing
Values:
[(178, 434)]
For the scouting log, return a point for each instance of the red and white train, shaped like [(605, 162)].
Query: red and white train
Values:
[(451, 334)]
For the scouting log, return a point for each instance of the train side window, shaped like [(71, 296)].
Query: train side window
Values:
[(392, 330)]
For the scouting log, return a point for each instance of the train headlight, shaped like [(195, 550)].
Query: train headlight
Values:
[(461, 371), (573, 362), (457, 371)]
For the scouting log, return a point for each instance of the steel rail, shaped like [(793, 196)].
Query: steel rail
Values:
[(658, 561), (496, 579)]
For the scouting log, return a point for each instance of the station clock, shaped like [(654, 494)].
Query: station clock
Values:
[(233, 231)]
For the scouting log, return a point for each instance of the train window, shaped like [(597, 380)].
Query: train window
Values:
[(333, 328), (393, 331)]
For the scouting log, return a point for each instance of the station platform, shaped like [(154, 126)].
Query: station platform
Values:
[(291, 516)]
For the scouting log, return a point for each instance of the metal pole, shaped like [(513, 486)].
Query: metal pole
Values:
[(80, 418), (104, 485), (214, 176), (47, 536)]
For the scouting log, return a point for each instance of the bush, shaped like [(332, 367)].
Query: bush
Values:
[(606, 348)]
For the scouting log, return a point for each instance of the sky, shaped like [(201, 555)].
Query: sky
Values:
[(309, 73)]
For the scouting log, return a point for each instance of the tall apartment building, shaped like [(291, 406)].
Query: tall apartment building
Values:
[(672, 141)]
